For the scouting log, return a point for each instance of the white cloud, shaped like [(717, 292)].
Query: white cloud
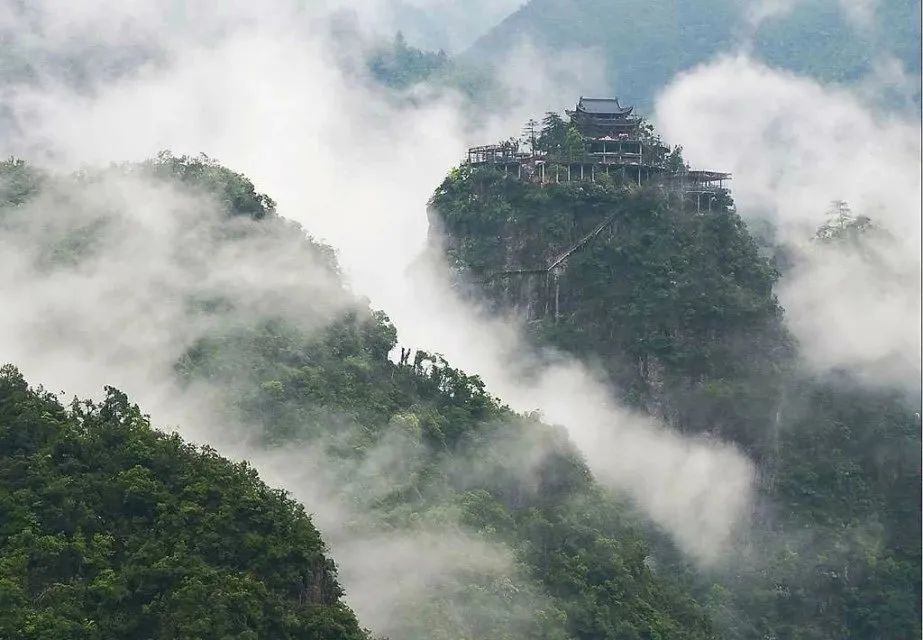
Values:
[(794, 146), (451, 25), (860, 13), (356, 170)]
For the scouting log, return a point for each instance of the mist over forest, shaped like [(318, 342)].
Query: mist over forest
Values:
[(385, 320)]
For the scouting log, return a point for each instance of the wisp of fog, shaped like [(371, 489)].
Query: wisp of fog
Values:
[(794, 146), (266, 93)]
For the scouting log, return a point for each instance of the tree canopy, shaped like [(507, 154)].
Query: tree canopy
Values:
[(576, 560), (112, 529), (678, 308)]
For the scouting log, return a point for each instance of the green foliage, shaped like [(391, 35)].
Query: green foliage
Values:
[(573, 146), (661, 299), (18, 180), (553, 133), (674, 161), (399, 66), (580, 557), (842, 227), (678, 308), (233, 190), (844, 540), (414, 447), (111, 529)]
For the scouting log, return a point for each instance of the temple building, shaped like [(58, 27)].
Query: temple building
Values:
[(611, 134), (601, 117), (614, 143)]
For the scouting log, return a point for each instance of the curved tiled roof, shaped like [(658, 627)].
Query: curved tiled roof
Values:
[(602, 106)]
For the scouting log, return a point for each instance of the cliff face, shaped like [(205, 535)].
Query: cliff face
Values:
[(678, 308), (676, 305), (462, 518)]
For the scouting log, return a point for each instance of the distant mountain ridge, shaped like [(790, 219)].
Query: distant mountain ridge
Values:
[(645, 44)]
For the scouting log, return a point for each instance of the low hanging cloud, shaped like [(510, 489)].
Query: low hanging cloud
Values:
[(433, 24), (265, 95), (857, 307), (794, 146), (698, 490), (108, 276), (111, 277), (860, 13)]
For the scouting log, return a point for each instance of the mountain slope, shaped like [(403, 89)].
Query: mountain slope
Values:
[(645, 44), (111, 529), (460, 517), (677, 307), (663, 299)]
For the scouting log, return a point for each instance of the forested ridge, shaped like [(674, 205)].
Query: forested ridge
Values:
[(646, 44), (414, 449), (678, 308), (112, 529), (206, 433)]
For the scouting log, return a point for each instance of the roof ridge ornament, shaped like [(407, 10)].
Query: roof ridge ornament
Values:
[(602, 106)]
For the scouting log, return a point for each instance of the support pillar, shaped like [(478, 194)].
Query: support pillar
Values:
[(547, 295), (557, 296)]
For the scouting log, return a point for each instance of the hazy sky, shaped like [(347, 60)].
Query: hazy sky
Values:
[(451, 25)]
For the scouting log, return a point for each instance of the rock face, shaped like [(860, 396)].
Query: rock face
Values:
[(675, 304)]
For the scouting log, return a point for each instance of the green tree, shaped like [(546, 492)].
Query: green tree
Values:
[(112, 529), (553, 132), (573, 146), (680, 312)]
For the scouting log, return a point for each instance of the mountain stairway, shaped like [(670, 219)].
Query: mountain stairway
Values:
[(559, 260)]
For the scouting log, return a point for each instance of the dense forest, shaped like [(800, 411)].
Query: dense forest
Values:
[(273, 461), (677, 306), (112, 529), (574, 561), (408, 73)]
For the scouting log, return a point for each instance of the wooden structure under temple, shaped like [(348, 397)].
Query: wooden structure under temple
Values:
[(614, 143)]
